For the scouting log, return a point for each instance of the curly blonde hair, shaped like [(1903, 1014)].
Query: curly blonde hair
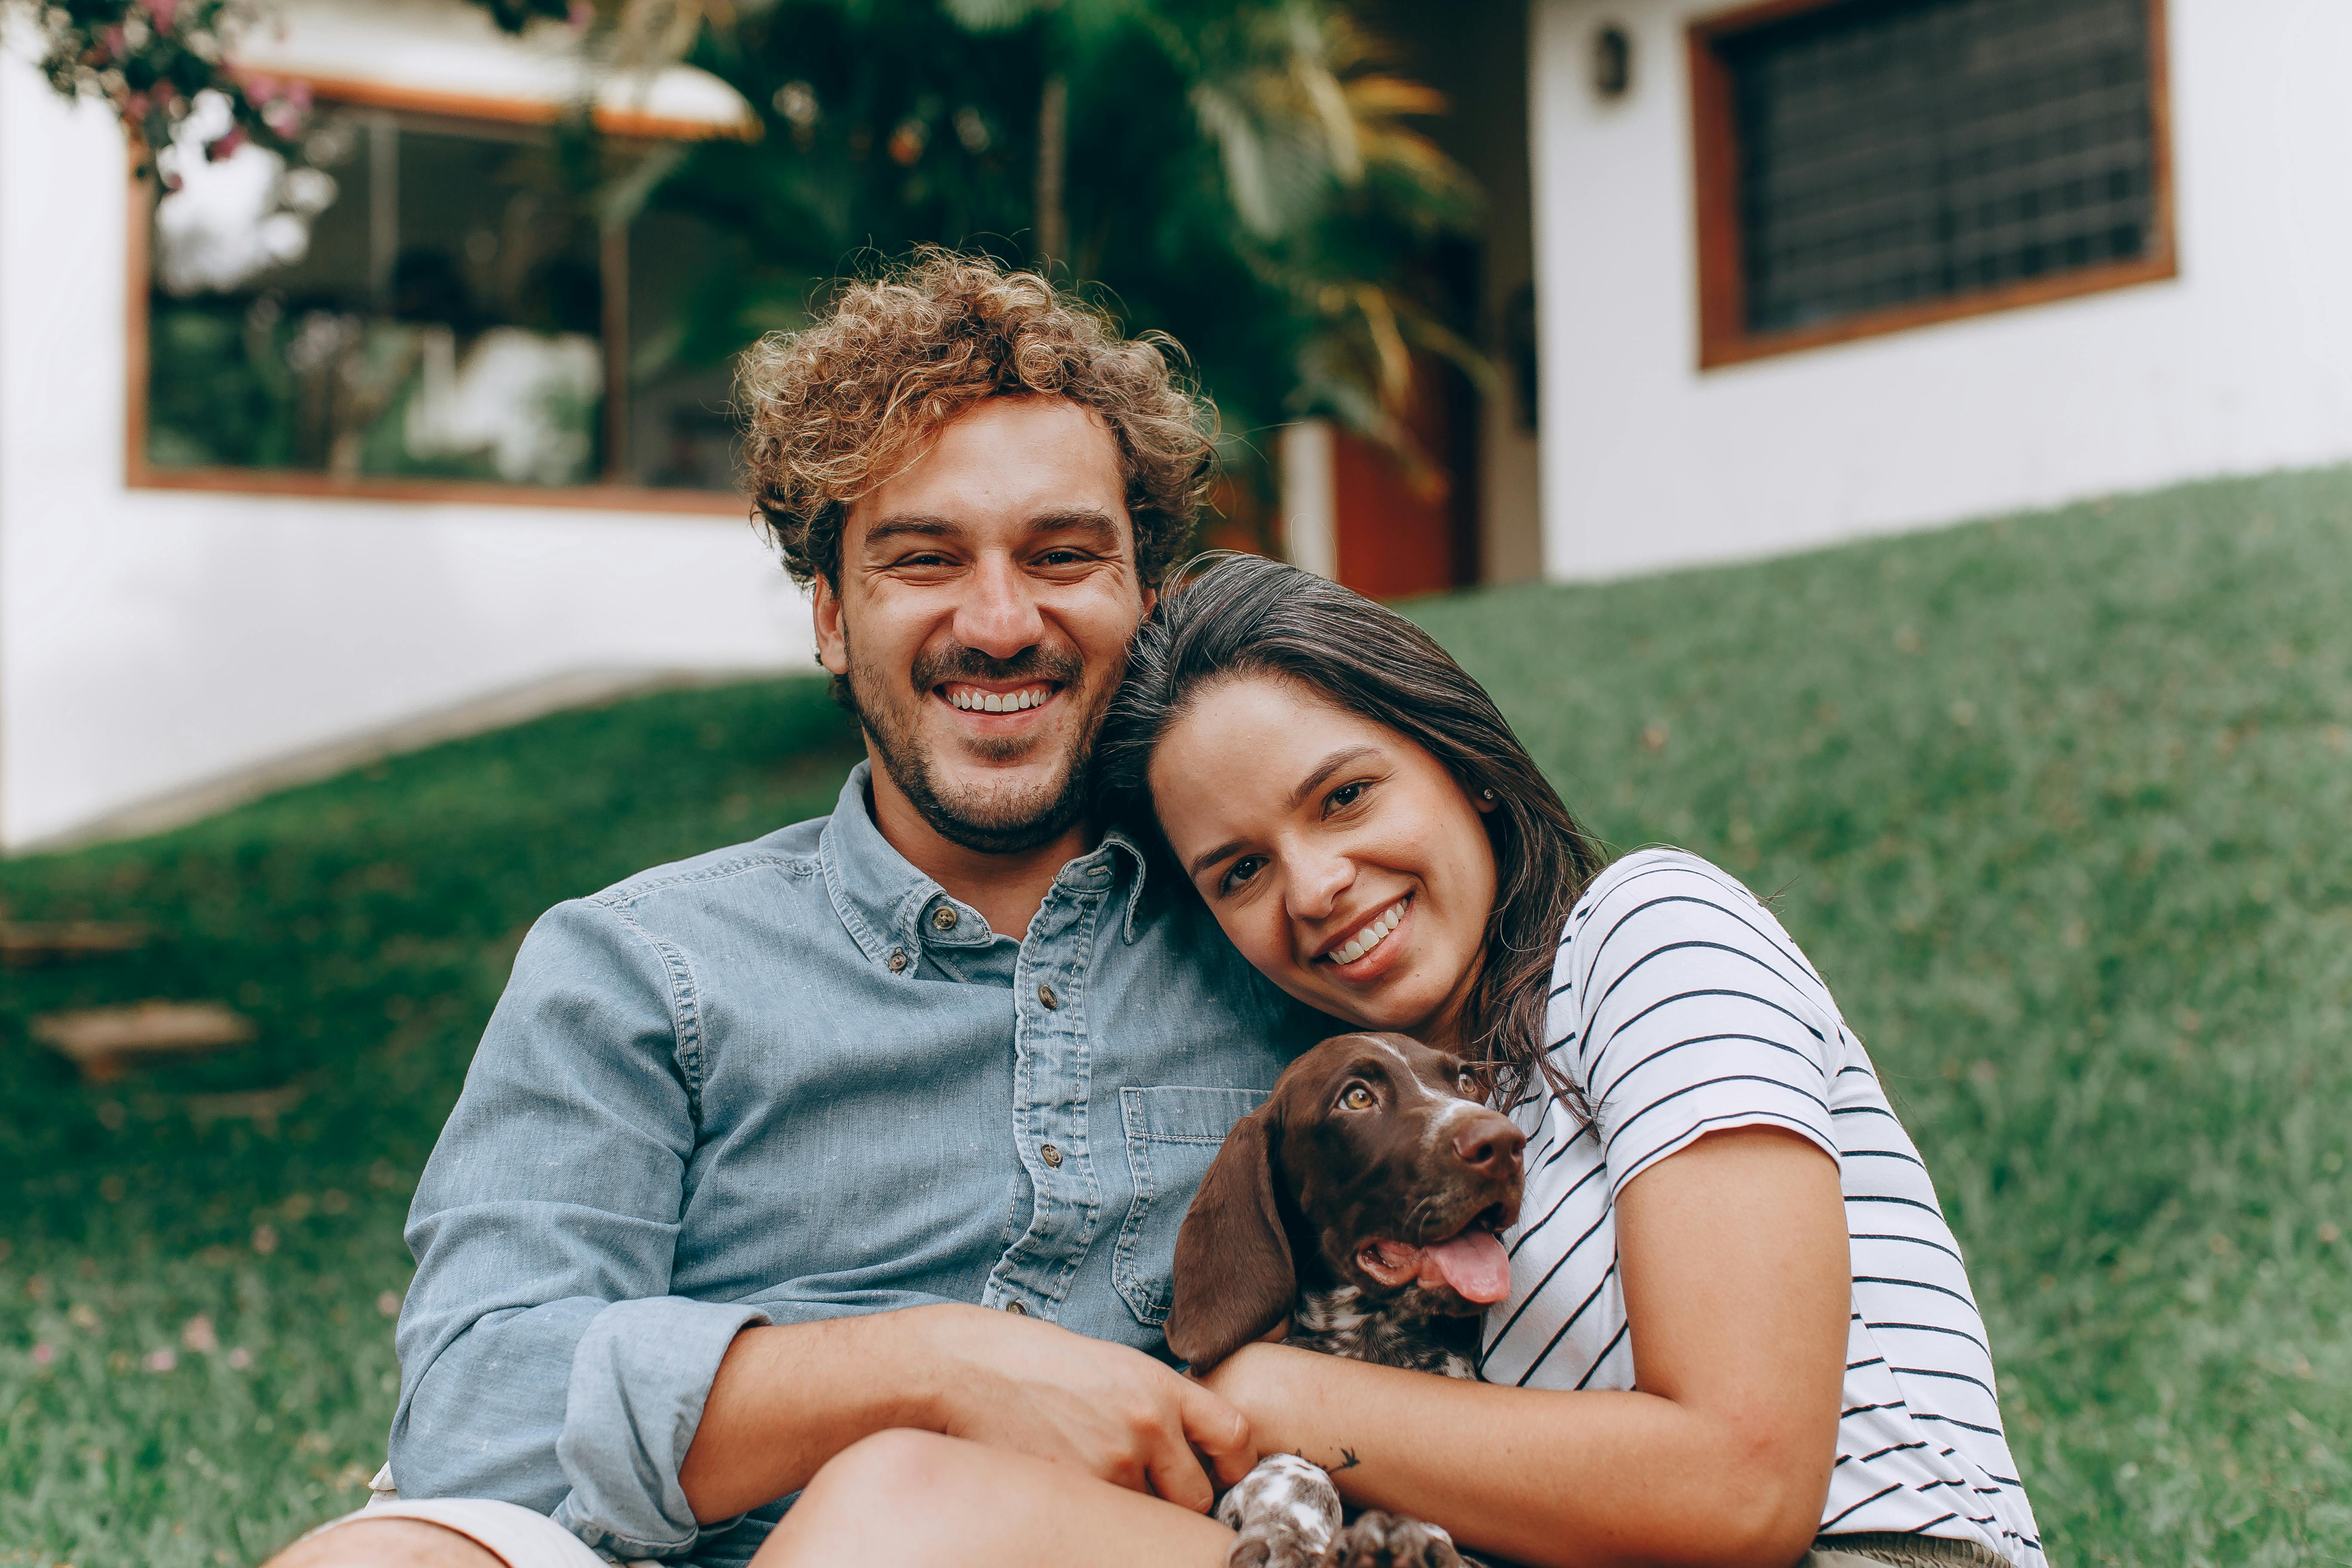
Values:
[(834, 410)]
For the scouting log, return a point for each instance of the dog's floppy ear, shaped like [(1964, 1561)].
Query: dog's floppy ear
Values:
[(1234, 1275)]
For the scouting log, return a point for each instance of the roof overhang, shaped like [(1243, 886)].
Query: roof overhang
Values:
[(447, 57)]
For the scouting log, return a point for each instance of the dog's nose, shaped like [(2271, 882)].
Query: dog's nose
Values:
[(1490, 1145)]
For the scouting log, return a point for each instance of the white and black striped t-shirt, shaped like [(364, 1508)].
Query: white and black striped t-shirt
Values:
[(1680, 1007)]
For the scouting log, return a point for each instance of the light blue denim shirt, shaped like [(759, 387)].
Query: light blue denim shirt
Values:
[(795, 1080)]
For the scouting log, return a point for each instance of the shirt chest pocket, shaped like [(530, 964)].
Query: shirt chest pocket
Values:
[(1172, 1133)]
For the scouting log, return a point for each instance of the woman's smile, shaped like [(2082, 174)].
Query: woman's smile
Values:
[(1342, 859), (1372, 946)]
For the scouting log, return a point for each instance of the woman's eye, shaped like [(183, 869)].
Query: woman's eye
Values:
[(1346, 795), (1240, 872), (1358, 1097)]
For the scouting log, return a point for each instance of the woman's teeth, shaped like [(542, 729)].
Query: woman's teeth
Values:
[(973, 700), (1371, 936)]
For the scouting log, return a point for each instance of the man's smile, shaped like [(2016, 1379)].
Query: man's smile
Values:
[(970, 697)]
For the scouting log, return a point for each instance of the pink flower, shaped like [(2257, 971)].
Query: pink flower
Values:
[(162, 12), (162, 1359), (44, 1355), (239, 1359), (199, 1336), (227, 148), (284, 114)]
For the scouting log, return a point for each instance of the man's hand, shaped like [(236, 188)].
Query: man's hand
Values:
[(1115, 1413), (789, 1398)]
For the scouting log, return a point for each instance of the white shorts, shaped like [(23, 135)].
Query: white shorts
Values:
[(515, 1535)]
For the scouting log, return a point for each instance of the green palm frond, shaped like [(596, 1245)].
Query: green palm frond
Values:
[(1254, 176)]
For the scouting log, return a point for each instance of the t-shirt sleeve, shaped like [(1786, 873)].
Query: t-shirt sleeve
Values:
[(1694, 1014)]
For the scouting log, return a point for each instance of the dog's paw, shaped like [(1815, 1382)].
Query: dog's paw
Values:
[(1377, 1539), (1284, 1512), (1276, 1547)]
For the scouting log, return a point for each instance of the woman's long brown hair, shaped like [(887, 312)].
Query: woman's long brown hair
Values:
[(1230, 616)]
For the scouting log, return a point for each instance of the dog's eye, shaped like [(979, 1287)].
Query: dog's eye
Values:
[(1467, 1083), (1357, 1098)]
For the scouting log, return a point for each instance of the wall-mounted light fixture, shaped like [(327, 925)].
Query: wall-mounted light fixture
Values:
[(1612, 62)]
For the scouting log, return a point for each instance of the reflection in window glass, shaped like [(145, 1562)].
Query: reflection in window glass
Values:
[(427, 299)]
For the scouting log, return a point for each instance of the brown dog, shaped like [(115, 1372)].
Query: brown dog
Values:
[(1364, 1203)]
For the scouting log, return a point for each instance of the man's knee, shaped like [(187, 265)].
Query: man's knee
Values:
[(386, 1543), (899, 1465)]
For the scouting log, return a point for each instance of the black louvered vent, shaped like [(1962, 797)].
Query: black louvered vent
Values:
[(1896, 150)]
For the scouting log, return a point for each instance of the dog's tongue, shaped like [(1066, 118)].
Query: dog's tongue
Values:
[(1475, 1264)]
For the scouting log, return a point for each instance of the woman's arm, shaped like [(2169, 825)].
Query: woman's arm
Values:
[(1738, 1291)]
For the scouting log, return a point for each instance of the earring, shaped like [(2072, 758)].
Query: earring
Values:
[(1487, 793)]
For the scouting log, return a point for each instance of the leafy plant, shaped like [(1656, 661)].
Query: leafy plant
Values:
[(150, 59), (1246, 177)]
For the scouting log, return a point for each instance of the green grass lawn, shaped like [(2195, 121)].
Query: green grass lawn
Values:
[(2060, 806)]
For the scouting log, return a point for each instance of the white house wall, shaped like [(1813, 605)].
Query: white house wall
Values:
[(2243, 364), (152, 641)]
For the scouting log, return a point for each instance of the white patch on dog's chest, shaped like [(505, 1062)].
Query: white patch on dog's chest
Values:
[(1336, 1313), (1336, 1322)]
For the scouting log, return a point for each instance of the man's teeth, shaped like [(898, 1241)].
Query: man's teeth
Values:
[(973, 700), (1371, 936)]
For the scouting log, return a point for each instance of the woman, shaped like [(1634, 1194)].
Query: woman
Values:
[(1739, 1328)]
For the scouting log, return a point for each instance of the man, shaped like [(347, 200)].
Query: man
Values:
[(884, 1121)]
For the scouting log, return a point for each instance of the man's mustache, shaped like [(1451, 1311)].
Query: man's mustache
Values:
[(1035, 663)]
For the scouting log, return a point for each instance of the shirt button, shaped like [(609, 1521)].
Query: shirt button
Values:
[(1050, 1156), (899, 961), (1016, 1309), (1046, 994), (944, 918)]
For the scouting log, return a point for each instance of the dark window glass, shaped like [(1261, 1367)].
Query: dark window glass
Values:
[(429, 300), (1897, 150)]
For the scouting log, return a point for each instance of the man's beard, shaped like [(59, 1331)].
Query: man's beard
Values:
[(1002, 824)]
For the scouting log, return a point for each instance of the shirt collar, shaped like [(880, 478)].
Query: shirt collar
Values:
[(889, 906)]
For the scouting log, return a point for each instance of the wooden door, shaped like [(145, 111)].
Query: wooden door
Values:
[(1399, 533)]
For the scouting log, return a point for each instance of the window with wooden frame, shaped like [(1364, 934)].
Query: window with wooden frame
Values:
[(1863, 166), (426, 310)]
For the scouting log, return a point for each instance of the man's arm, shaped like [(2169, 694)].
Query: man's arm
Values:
[(788, 1398), (545, 1359)]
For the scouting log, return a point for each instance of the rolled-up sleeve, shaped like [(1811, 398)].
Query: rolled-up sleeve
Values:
[(543, 1360)]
